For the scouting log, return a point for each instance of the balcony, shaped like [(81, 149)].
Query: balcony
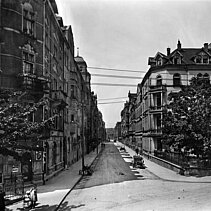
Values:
[(157, 88), (73, 128), (155, 108), (33, 82), (156, 132), (58, 97)]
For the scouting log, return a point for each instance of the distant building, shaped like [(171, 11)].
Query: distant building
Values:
[(117, 131), (110, 134)]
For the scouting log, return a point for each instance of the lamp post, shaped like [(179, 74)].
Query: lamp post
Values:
[(82, 125)]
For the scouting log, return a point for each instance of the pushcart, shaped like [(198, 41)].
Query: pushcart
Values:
[(138, 161)]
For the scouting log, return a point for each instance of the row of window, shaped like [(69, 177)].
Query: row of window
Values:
[(177, 78), (200, 59)]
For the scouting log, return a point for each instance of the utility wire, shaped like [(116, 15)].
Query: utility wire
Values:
[(117, 76), (109, 84), (133, 71), (114, 98), (112, 102)]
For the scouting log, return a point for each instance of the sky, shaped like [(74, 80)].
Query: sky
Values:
[(123, 34)]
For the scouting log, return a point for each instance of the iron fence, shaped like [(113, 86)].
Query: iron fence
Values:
[(183, 160)]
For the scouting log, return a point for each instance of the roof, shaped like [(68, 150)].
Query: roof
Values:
[(79, 59)]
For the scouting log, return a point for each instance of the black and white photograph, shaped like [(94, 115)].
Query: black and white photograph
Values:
[(105, 105)]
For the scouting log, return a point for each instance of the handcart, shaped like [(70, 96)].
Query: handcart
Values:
[(138, 161)]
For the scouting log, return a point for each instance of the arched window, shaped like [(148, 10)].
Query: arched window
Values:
[(159, 80), (198, 60), (176, 79), (199, 76), (206, 77), (28, 19)]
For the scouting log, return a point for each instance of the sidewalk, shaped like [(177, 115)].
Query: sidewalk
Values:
[(167, 174), (52, 193)]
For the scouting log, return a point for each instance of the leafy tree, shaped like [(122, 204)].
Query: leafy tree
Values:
[(187, 120), (16, 124)]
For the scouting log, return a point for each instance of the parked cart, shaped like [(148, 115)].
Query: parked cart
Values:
[(138, 161)]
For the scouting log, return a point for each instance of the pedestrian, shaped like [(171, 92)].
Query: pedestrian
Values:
[(137, 151), (2, 200), (33, 196)]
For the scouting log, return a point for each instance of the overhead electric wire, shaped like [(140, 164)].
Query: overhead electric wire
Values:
[(117, 76), (121, 70), (114, 98), (113, 102), (109, 84)]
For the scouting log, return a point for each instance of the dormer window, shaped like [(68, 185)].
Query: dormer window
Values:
[(176, 60), (205, 59), (202, 59), (159, 62)]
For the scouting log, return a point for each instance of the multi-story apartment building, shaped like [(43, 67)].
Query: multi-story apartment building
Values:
[(167, 74), (37, 57), (125, 123), (138, 118), (131, 118), (117, 131)]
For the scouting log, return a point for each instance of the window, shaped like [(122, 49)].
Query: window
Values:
[(47, 32), (199, 76), (176, 60), (159, 80), (72, 91), (159, 101), (159, 62), (28, 63), (28, 19), (202, 59), (176, 79), (206, 77)]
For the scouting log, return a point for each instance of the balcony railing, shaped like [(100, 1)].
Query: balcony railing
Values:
[(58, 95), (34, 82), (156, 131), (156, 108), (153, 88)]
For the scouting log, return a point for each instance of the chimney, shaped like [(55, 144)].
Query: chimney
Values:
[(206, 46), (168, 51), (179, 45)]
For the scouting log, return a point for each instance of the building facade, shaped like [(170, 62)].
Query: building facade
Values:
[(167, 73), (37, 57)]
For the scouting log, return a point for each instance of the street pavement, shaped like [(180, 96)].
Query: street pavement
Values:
[(52, 193), (167, 174)]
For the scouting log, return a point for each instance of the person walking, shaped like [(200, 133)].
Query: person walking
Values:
[(137, 151), (33, 196), (2, 200)]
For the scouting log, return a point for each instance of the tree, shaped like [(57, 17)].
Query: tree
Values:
[(187, 120), (16, 124)]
